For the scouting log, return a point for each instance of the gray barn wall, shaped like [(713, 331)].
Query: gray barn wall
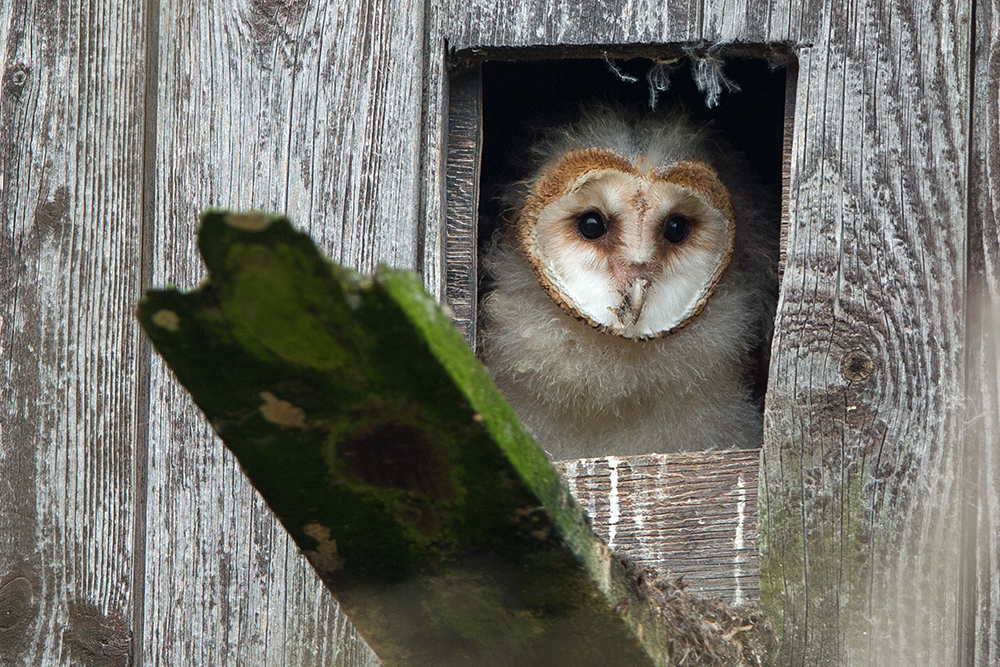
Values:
[(128, 535)]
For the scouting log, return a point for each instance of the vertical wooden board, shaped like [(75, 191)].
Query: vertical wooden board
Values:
[(861, 468), (981, 543), (354, 119), (310, 108), (465, 143), (71, 110), (313, 108), (434, 147)]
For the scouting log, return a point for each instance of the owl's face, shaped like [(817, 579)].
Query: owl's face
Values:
[(633, 250)]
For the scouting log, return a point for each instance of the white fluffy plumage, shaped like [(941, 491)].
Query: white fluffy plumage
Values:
[(657, 372)]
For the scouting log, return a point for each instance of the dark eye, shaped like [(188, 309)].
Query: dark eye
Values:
[(591, 225), (677, 229)]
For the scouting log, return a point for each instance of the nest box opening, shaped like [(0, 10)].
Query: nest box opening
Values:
[(497, 108), (497, 104)]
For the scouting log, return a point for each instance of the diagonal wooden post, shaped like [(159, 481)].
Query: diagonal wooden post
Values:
[(383, 446)]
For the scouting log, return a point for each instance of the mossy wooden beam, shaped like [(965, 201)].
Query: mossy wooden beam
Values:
[(383, 446)]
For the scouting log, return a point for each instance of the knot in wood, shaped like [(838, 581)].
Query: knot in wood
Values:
[(395, 455), (856, 365), (14, 79), (19, 77), (15, 603)]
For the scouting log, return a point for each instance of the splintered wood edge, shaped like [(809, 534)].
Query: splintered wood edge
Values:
[(685, 514), (791, 86), (462, 195)]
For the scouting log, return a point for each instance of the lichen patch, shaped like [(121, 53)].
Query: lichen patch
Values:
[(283, 413), (324, 558), (353, 301), (250, 222), (167, 319)]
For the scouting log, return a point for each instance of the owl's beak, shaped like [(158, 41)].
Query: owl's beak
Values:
[(633, 297)]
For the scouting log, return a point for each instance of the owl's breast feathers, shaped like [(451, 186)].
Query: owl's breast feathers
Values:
[(588, 393)]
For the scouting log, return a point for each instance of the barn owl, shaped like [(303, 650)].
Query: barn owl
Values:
[(628, 289)]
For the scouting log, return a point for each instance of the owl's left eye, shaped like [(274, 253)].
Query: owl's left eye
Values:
[(677, 229), (591, 225)]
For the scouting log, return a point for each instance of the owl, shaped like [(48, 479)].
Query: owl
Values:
[(628, 289)]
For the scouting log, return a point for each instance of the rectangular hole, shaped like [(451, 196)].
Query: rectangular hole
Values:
[(496, 108)]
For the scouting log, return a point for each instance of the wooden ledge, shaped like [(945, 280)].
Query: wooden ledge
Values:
[(689, 514)]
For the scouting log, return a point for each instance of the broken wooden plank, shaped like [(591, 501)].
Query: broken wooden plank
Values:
[(682, 514), (381, 443)]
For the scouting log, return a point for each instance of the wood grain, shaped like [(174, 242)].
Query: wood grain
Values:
[(863, 467), (334, 112), (980, 646), (498, 23), (71, 93), (861, 479), (686, 514), (432, 218), (312, 108), (465, 138)]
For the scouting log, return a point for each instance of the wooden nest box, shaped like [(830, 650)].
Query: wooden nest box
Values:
[(872, 500)]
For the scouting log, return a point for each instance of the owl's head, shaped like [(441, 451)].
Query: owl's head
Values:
[(634, 244)]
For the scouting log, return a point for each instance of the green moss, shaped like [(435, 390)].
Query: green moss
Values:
[(271, 305), (815, 557), (496, 415), (383, 446)]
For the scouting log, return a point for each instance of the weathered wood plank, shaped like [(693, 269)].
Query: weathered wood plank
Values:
[(499, 23), (465, 145), (625, 23), (458, 538), (980, 625), (312, 108), (861, 478), (862, 466), (71, 109), (434, 148), (759, 21), (791, 94), (689, 514)]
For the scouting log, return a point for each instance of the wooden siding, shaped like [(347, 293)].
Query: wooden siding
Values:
[(980, 622), (121, 513), (71, 146), (862, 481), (310, 108)]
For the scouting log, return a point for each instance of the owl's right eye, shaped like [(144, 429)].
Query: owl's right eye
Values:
[(591, 225)]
